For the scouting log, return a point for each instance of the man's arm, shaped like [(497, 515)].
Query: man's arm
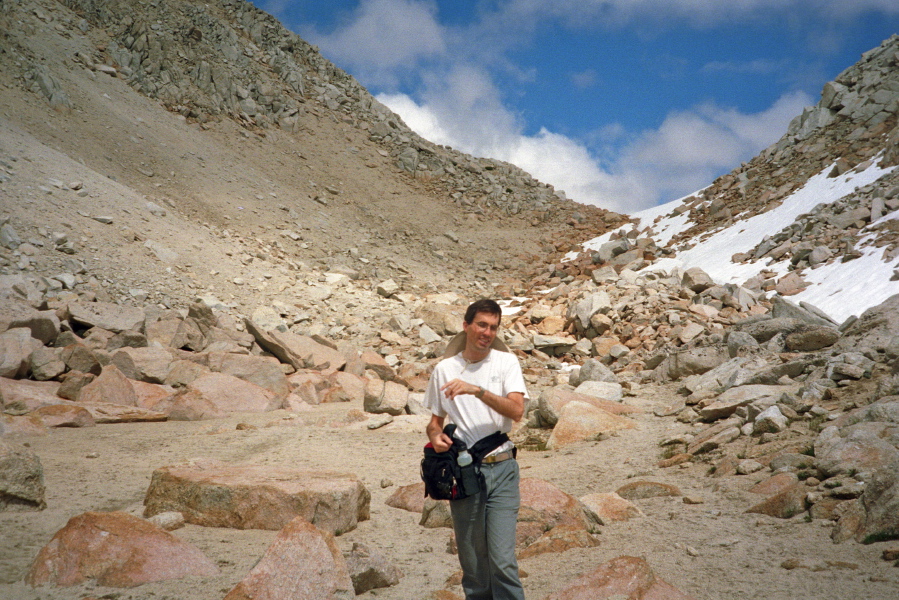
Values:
[(439, 440), (511, 406)]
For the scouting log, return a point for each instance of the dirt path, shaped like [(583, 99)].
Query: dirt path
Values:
[(711, 550)]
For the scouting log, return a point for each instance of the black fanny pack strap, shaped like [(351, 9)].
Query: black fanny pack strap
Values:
[(486, 445)]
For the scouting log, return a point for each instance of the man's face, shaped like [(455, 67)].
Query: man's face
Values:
[(481, 332)]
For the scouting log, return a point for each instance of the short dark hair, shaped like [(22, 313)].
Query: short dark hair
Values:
[(484, 305)]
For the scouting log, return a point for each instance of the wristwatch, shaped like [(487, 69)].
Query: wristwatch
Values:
[(480, 393)]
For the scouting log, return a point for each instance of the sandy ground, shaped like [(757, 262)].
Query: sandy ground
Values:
[(710, 550)]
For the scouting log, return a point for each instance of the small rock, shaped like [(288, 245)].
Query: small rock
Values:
[(748, 466)]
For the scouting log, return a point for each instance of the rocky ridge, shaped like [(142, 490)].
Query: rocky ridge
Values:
[(852, 126), (263, 229), (270, 77)]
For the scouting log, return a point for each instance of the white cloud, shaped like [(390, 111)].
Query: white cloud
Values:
[(382, 36), (585, 79), (454, 72), (683, 155), (756, 67), (466, 102), (691, 148), (418, 118)]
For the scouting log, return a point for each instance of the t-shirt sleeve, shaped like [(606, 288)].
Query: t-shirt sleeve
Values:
[(513, 380), (433, 399)]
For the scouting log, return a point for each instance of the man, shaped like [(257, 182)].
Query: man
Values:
[(481, 390)]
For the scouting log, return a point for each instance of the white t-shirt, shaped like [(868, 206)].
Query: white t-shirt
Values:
[(498, 373)]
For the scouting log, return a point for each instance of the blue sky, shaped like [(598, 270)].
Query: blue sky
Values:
[(620, 103)]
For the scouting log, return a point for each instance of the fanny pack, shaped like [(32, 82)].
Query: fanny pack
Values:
[(445, 478)]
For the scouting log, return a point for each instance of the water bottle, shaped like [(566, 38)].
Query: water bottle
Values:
[(464, 458)]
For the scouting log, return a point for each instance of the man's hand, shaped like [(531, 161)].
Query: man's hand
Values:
[(439, 440), (511, 406), (457, 387)]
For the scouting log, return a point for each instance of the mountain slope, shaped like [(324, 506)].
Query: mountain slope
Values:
[(270, 162), (814, 216)]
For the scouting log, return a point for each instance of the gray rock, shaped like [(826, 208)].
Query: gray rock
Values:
[(610, 250), (593, 370), (67, 280), (401, 323), (156, 210), (387, 288), (445, 319), (755, 408), (618, 350), (877, 209), (727, 403), (43, 324), (163, 253), (385, 397), (168, 521), (428, 335), (765, 329), (8, 237), (16, 347), (301, 352), (604, 275), (112, 317), (369, 569), (143, 364), (800, 402), (863, 447), (696, 280), (690, 361), (586, 307), (21, 478), (876, 329), (45, 83), (46, 363), (269, 319), (791, 461), (771, 420), (714, 437), (550, 343), (818, 313), (810, 340), (749, 466), (740, 340), (819, 256), (783, 308), (885, 410), (584, 347), (850, 218), (881, 503), (849, 365), (604, 390), (408, 160)]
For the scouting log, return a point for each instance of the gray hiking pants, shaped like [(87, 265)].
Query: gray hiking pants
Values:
[(485, 535)]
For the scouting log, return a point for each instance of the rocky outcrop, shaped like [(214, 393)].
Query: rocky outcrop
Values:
[(369, 569), (21, 478), (544, 508), (609, 507), (115, 550), (258, 497), (580, 421), (623, 577), (302, 562)]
